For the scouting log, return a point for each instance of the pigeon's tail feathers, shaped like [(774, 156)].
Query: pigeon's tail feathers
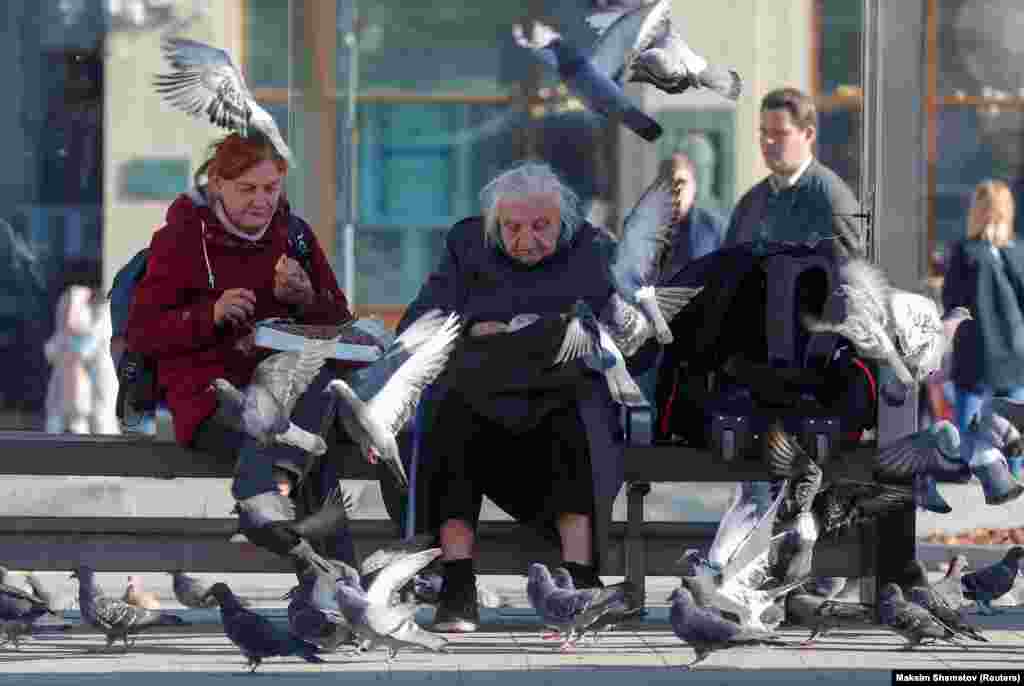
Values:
[(641, 124), (671, 300), (725, 82), (623, 387)]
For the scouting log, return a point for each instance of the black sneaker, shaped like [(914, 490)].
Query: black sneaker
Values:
[(457, 611)]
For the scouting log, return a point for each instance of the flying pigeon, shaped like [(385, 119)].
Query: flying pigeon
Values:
[(922, 593), (383, 396), (994, 581), (377, 619), (207, 84), (191, 592), (910, 620), (263, 410), (846, 503), (670, 65), (630, 328), (597, 89), (933, 451), (707, 631), (983, 443), (115, 618), (572, 612), (821, 615), (588, 339), (646, 233), (256, 636), (900, 328)]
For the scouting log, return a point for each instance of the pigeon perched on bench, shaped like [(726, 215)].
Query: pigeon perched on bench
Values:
[(116, 618)]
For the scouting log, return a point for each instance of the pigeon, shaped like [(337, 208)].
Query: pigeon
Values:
[(922, 593), (994, 581), (646, 233), (587, 338), (821, 615), (910, 620), (383, 396), (671, 66), (990, 440), (386, 555), (597, 89), (619, 612), (313, 611), (900, 328), (846, 503), (630, 328), (191, 592), (19, 611), (40, 591), (263, 410), (951, 586), (206, 83), (571, 612), (135, 595), (786, 457), (707, 631), (933, 451), (1012, 410), (116, 618), (377, 619), (256, 636), (625, 33)]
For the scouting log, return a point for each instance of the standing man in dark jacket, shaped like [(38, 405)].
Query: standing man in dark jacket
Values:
[(802, 200), (543, 445)]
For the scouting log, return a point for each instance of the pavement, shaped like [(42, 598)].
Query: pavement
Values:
[(508, 650)]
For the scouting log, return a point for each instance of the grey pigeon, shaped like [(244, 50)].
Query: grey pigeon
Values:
[(41, 592), (191, 592), (899, 328), (571, 612), (786, 457), (933, 451), (377, 619), (596, 88), (992, 438), (670, 65), (922, 593), (387, 554), (951, 586), (707, 631), (207, 84), (993, 582), (256, 636), (264, 409), (19, 611), (626, 32), (313, 611), (821, 615), (620, 612), (910, 620), (383, 396), (586, 338), (1010, 442), (116, 618), (846, 503), (630, 328), (645, 235)]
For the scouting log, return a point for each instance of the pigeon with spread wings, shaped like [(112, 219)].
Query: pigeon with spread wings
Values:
[(207, 84)]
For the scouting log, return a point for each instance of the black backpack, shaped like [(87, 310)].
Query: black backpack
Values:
[(137, 391)]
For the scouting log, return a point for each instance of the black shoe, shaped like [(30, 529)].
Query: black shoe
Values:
[(457, 611)]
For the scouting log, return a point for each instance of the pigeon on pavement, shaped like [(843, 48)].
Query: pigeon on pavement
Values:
[(910, 620), (115, 618), (207, 84), (922, 593), (256, 636), (993, 582), (951, 586), (821, 615), (572, 612)]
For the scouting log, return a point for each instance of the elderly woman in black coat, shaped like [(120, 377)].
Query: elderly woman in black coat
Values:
[(985, 273), (541, 443)]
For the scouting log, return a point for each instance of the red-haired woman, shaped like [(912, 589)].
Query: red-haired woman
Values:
[(219, 263)]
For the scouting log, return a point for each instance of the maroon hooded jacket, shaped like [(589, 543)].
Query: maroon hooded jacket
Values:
[(171, 315)]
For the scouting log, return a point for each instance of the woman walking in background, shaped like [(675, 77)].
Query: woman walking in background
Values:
[(985, 273)]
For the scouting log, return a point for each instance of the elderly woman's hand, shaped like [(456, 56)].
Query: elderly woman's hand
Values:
[(488, 328), (291, 282)]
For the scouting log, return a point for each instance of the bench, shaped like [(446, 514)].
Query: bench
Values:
[(637, 549)]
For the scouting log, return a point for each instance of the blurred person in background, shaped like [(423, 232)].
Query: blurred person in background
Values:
[(985, 272)]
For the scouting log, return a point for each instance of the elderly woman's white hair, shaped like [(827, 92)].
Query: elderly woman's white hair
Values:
[(525, 179)]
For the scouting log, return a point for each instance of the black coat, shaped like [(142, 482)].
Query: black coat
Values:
[(989, 349)]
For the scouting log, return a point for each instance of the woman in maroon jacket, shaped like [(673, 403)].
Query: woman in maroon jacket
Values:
[(219, 264)]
